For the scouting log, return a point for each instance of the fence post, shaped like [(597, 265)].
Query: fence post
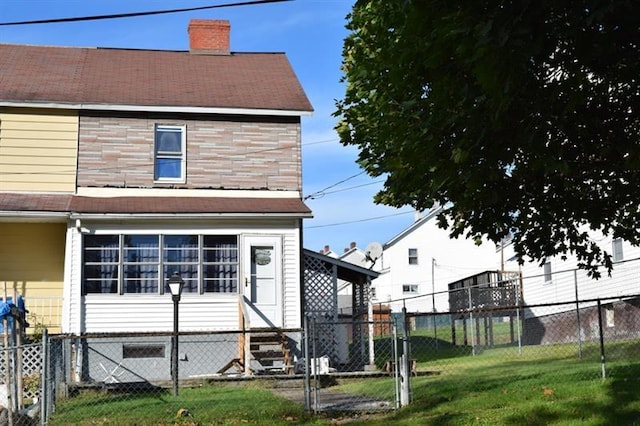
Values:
[(405, 370), (307, 364), (314, 359), (473, 337), (44, 379), (575, 284), (602, 358), (396, 376)]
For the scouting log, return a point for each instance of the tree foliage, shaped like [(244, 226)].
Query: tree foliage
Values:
[(520, 117)]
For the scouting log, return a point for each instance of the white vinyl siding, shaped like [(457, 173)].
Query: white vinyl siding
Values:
[(93, 313), (38, 150)]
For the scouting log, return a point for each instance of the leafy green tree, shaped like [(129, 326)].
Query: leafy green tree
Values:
[(520, 117)]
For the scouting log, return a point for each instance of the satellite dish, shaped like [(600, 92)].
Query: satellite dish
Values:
[(373, 252)]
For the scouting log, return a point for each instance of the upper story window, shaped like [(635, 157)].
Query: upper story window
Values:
[(170, 153), (413, 256), (618, 254), (141, 263), (547, 272)]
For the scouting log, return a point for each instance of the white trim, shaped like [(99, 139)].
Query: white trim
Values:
[(179, 192), (155, 108), (35, 216), (182, 130)]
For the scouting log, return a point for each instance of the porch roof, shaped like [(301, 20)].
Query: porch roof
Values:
[(21, 203), (345, 270)]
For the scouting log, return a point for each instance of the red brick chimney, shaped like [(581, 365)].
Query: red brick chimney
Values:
[(209, 36)]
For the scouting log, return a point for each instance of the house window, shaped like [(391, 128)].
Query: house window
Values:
[(410, 288), (413, 256), (618, 254), (547, 272), (140, 263), (143, 351), (101, 263), (180, 253), (169, 153), (373, 293), (130, 264), (220, 264)]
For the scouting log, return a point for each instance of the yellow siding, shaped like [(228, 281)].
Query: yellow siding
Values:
[(32, 264), (38, 150)]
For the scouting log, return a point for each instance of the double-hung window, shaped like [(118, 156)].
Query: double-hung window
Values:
[(618, 254), (413, 256), (548, 277), (169, 153)]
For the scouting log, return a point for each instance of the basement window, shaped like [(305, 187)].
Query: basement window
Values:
[(143, 351)]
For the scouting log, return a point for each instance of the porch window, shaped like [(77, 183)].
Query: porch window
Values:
[(140, 266), (141, 263), (220, 263), (101, 263), (180, 253)]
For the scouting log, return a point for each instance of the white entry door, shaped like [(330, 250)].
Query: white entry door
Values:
[(263, 280)]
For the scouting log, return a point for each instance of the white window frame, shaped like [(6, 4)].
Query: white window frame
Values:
[(410, 288), (617, 251), (182, 156), (164, 265), (413, 256), (547, 272)]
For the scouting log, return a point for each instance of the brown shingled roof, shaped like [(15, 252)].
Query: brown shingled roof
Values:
[(60, 203), (94, 76)]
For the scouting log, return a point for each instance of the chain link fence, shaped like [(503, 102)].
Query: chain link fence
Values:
[(330, 365)]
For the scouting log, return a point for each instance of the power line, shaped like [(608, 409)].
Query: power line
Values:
[(360, 220), (321, 193), (116, 168), (134, 14), (353, 187)]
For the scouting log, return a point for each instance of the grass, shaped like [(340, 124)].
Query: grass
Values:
[(540, 385), (206, 405)]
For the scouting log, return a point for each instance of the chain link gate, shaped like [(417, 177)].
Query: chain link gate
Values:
[(352, 366)]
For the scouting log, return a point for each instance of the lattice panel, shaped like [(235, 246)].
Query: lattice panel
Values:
[(31, 357), (320, 289)]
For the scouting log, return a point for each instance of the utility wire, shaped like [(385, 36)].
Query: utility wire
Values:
[(134, 14), (360, 220), (321, 193), (66, 171)]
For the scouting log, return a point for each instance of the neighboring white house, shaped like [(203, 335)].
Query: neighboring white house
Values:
[(420, 262), (557, 280)]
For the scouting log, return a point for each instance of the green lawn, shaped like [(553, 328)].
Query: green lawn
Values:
[(537, 385)]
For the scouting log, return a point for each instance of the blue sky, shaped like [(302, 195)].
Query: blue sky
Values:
[(310, 32)]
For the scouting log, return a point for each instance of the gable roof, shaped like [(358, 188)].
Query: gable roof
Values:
[(415, 225), (151, 80)]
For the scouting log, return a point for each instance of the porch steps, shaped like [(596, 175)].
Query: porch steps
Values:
[(270, 353)]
